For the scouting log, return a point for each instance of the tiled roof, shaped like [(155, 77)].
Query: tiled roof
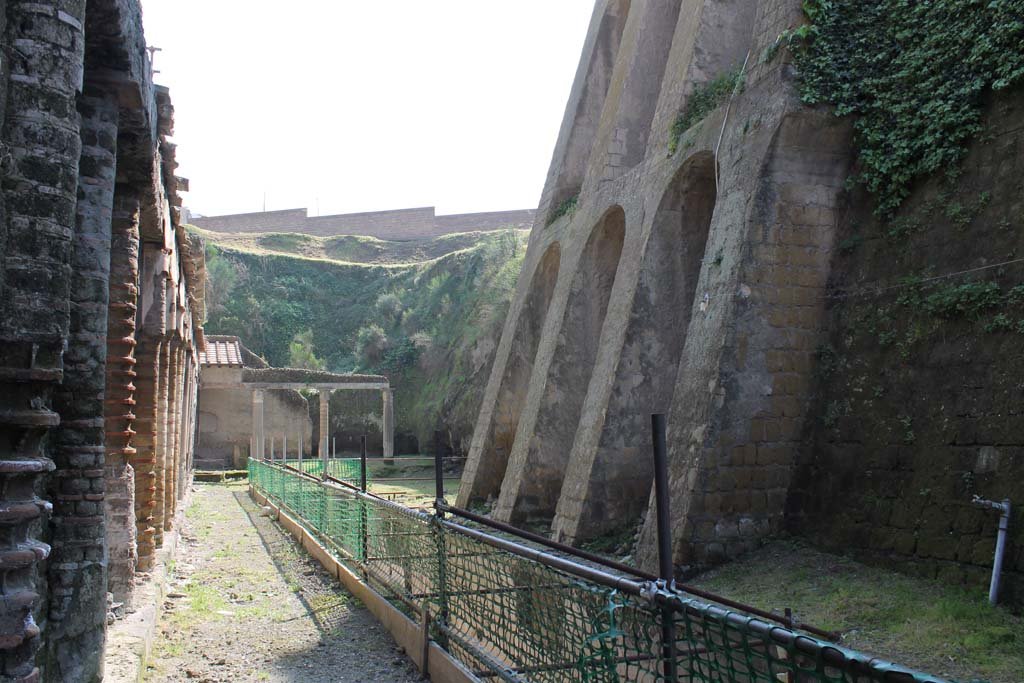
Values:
[(221, 351)]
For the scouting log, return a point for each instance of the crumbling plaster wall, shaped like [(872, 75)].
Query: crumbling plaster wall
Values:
[(225, 420)]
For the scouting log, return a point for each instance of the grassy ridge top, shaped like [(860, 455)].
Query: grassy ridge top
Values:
[(350, 249), (427, 314)]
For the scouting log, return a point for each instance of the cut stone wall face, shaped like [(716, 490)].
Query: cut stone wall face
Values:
[(715, 270), (607, 487), (483, 476), (537, 465)]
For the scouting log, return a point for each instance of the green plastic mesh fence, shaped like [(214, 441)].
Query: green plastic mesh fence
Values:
[(512, 618)]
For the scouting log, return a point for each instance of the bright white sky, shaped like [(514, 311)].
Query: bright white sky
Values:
[(366, 105)]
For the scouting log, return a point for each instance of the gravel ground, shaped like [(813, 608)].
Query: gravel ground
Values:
[(247, 604)]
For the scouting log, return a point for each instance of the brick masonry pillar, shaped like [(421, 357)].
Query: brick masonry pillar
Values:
[(78, 567), (119, 415), (162, 445), (144, 461), (42, 150), (173, 434), (188, 424)]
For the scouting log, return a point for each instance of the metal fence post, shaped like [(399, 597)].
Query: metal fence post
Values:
[(363, 530), (362, 463), (665, 567), (439, 539), (438, 476)]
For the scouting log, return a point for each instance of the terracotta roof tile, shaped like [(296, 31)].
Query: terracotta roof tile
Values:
[(221, 351)]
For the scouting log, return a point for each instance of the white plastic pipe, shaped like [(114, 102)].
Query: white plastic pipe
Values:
[(1004, 509)]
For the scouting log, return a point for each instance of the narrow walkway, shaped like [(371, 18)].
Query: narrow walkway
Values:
[(247, 604)]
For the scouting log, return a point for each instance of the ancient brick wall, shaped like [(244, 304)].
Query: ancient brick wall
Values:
[(86, 175)]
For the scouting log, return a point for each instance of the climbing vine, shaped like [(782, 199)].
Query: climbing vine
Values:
[(914, 73)]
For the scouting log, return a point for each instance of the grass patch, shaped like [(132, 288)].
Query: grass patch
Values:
[(948, 631)]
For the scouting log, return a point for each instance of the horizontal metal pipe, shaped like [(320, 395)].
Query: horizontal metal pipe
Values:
[(545, 541), (599, 577), (573, 567), (499, 668), (384, 479), (626, 569)]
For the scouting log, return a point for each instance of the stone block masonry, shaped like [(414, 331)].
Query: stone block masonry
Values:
[(692, 273), (88, 191), (684, 271)]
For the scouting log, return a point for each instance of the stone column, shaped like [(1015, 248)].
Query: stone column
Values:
[(257, 424), (325, 416), (388, 426), (41, 150)]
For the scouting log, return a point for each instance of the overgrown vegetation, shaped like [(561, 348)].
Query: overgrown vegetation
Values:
[(913, 73), (566, 208), (705, 99), (418, 323), (301, 354)]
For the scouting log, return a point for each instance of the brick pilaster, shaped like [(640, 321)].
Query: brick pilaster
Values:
[(120, 398), (144, 461)]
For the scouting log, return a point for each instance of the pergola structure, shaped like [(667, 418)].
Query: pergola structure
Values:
[(260, 380)]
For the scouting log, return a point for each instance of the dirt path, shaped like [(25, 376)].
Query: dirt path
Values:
[(247, 604)]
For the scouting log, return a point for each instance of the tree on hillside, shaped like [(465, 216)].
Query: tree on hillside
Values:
[(371, 343), (390, 308), (301, 355)]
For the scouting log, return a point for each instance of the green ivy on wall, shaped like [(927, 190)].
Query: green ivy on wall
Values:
[(914, 73)]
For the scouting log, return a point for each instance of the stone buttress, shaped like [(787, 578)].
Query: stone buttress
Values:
[(684, 275)]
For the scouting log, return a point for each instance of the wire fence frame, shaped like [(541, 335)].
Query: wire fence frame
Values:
[(511, 612)]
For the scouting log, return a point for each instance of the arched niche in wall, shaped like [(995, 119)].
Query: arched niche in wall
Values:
[(536, 489), (618, 483), (516, 381), (587, 115)]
